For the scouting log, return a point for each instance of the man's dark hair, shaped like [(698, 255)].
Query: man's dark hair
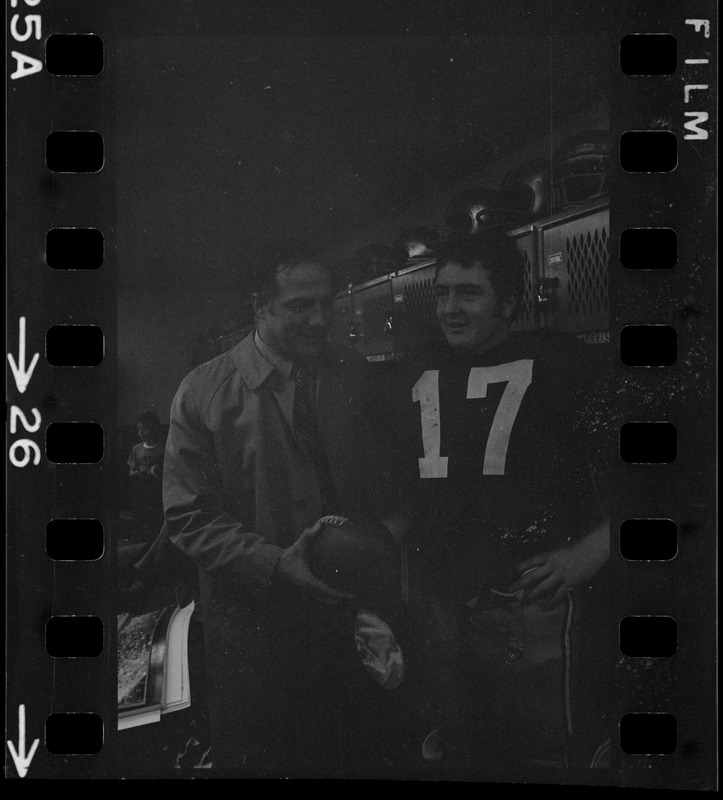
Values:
[(498, 254), (279, 256), (149, 418)]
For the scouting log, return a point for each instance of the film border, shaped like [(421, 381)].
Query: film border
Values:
[(39, 200)]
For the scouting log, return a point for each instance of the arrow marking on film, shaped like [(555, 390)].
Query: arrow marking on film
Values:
[(22, 376), (22, 762)]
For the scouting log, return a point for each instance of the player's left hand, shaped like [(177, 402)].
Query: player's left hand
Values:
[(554, 573)]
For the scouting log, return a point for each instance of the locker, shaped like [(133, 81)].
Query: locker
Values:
[(342, 330), (414, 323), (574, 290), (371, 318), (528, 317), (566, 288)]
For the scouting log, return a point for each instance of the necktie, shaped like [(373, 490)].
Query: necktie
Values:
[(307, 429)]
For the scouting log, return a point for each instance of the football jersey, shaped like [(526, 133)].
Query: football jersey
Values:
[(495, 453)]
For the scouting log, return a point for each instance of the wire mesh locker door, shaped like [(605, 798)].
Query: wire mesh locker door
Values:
[(574, 291), (414, 315), (342, 329), (528, 316), (372, 315)]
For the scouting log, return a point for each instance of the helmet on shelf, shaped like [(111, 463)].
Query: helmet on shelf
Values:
[(418, 242), (527, 189), (475, 208)]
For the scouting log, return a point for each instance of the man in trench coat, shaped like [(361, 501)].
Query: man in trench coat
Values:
[(242, 491)]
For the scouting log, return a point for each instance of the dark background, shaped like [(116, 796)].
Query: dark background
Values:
[(229, 138)]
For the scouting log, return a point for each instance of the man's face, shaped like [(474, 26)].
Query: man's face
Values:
[(296, 321), (469, 311)]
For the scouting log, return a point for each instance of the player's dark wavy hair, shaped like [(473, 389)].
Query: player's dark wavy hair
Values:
[(279, 256), (498, 254)]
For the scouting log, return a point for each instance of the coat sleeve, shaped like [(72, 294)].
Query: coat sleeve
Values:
[(198, 524)]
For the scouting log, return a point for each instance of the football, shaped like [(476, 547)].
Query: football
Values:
[(356, 556)]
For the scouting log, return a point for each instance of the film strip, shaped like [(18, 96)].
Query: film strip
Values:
[(60, 346), (667, 439), (63, 79)]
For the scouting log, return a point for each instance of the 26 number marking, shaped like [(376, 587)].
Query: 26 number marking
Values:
[(517, 375), (22, 374)]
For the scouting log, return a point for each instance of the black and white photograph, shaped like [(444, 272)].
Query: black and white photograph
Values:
[(365, 363)]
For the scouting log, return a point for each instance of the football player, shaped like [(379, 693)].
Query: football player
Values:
[(504, 512)]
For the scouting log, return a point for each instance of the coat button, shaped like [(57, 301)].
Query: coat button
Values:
[(301, 505)]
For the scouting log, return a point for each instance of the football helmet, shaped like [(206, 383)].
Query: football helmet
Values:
[(475, 208), (527, 189), (418, 242)]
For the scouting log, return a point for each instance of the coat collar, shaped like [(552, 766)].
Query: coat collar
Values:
[(252, 366)]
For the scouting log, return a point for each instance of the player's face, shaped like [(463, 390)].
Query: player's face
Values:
[(469, 311), (296, 321)]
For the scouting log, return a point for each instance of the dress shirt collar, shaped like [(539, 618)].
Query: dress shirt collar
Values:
[(280, 362)]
